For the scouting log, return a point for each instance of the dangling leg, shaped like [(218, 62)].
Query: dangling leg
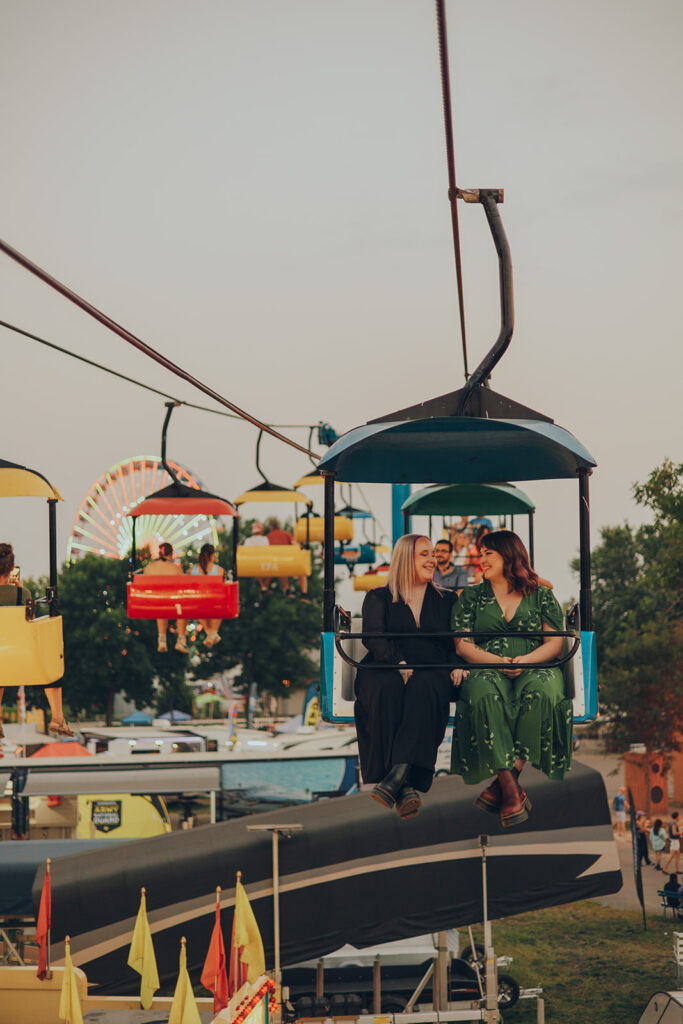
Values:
[(58, 723), (162, 629), (512, 808), (181, 642)]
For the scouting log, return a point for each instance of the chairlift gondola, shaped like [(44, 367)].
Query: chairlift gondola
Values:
[(467, 499), (32, 649), (309, 528), (470, 436), (272, 560), (198, 596)]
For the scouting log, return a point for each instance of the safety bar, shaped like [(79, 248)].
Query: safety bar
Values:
[(460, 634)]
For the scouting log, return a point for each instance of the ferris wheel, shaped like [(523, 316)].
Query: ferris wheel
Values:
[(102, 525)]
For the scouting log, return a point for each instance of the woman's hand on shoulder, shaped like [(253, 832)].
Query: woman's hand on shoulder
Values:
[(458, 675)]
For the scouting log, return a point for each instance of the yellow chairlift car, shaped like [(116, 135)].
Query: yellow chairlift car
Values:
[(31, 648), (272, 560), (310, 528)]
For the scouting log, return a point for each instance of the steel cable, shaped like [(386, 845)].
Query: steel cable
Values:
[(142, 346)]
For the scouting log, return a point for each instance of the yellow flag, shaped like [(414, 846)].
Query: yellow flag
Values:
[(247, 937), (141, 956), (184, 1007), (69, 1002)]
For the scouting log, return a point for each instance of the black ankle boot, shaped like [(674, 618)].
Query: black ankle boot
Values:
[(408, 803), (386, 792)]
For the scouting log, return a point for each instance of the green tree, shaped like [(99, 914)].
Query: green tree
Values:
[(105, 652), (637, 603), (275, 638)]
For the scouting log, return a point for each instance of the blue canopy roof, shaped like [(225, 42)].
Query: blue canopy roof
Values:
[(468, 499), (460, 449)]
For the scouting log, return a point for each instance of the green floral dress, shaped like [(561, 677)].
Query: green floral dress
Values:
[(499, 719)]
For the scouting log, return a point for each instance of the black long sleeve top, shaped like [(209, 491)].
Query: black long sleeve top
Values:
[(382, 615)]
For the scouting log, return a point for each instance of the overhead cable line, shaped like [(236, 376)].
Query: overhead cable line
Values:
[(450, 159), (139, 383), (142, 346)]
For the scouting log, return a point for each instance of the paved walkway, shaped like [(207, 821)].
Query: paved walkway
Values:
[(611, 768)]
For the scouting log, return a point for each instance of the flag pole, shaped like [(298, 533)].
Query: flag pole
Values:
[(218, 906), (234, 951), (276, 831), (49, 931)]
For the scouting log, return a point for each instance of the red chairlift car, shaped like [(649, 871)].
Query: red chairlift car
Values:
[(182, 597)]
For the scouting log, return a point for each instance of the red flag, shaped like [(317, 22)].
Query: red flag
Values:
[(214, 974), (44, 923)]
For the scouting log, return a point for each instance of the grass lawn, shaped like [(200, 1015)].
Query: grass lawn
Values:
[(595, 965)]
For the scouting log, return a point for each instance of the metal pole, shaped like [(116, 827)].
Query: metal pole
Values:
[(48, 964), (320, 978), (442, 971), (235, 542), (276, 906), (377, 986), (212, 807), (170, 406), (328, 556), (133, 554), (489, 199), (585, 598), (531, 539), (275, 831), (53, 602), (399, 494), (491, 980), (406, 523)]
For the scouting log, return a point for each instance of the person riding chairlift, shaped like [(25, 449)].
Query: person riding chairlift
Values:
[(206, 566), (13, 593), (165, 566)]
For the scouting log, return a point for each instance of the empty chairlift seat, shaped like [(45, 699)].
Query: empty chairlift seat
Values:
[(272, 560), (311, 529)]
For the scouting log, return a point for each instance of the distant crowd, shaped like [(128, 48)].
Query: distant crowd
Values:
[(457, 558), (656, 838)]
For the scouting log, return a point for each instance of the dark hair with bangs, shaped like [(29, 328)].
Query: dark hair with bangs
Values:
[(516, 565)]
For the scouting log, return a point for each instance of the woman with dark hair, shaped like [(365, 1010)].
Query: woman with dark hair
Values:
[(401, 714), (658, 842), (206, 566), (518, 713)]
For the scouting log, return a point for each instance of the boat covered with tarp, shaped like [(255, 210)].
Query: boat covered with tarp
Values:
[(351, 874)]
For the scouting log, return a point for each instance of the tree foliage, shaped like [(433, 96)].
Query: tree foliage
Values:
[(105, 653), (274, 639), (637, 604)]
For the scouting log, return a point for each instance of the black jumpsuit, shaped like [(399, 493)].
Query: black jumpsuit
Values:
[(397, 722)]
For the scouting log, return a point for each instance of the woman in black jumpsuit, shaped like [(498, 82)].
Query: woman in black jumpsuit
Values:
[(401, 715)]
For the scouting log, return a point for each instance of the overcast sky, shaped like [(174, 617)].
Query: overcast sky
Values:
[(258, 189)]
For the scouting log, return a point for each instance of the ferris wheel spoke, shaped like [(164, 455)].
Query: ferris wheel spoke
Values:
[(110, 483), (122, 484), (102, 526), (102, 493), (105, 530), (97, 514)]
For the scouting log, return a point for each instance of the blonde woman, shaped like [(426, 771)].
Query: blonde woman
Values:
[(402, 714)]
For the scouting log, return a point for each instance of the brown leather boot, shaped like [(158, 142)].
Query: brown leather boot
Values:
[(490, 798), (512, 809)]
